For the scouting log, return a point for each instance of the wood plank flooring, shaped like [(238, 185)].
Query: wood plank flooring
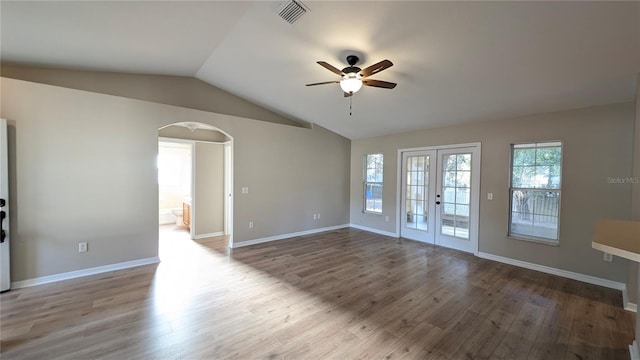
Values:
[(344, 294)]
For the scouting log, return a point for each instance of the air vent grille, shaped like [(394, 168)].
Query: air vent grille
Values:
[(292, 11)]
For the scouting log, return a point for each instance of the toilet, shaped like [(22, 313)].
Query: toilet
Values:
[(177, 212)]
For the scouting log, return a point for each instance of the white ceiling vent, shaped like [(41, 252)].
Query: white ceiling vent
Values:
[(291, 10)]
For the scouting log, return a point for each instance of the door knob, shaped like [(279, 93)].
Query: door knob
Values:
[(3, 215), (437, 202)]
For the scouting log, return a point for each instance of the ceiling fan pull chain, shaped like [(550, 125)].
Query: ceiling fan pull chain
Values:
[(350, 99)]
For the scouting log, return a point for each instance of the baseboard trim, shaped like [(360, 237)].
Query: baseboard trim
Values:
[(567, 274), (204, 236), (633, 351), (376, 231), (84, 272), (628, 305), (287, 236)]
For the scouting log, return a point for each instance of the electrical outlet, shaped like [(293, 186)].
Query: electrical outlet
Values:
[(318, 217), (83, 247), (607, 257), (250, 224)]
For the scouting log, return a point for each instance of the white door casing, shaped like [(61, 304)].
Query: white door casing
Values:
[(439, 198), (5, 266)]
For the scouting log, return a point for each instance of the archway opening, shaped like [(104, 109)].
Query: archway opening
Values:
[(195, 184)]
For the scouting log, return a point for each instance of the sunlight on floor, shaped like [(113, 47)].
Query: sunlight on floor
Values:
[(195, 275), (186, 268)]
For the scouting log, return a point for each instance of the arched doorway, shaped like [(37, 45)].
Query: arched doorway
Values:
[(202, 202)]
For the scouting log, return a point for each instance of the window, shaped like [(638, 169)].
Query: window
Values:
[(373, 183), (535, 190)]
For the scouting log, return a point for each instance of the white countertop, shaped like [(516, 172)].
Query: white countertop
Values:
[(618, 237)]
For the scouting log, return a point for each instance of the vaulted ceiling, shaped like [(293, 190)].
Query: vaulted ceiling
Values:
[(455, 62)]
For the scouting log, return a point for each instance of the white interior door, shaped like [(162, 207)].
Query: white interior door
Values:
[(5, 278), (440, 196)]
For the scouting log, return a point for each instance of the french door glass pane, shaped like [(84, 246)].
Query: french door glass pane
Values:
[(417, 195), (456, 190)]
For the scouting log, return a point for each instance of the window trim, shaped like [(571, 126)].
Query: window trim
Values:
[(365, 183), (532, 238)]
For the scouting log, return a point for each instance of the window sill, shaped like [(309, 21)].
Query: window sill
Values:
[(535, 240), (372, 213)]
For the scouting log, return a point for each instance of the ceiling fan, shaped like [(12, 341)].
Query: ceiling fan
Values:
[(353, 77)]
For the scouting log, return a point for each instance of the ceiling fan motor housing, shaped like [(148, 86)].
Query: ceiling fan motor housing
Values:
[(351, 69), (352, 60)]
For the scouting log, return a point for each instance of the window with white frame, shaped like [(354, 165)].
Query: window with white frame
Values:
[(536, 173), (373, 183)]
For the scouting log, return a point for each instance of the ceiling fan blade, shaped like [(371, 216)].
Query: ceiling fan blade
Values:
[(324, 82), (346, 94), (376, 68), (379, 83), (330, 67)]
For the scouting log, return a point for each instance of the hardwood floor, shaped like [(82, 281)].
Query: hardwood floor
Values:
[(345, 294)]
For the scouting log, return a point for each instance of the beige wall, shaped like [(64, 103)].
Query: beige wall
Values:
[(84, 169), (597, 145), (173, 90), (209, 188)]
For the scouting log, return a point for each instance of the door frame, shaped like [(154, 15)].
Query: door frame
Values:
[(227, 184), (5, 251), (475, 198), (228, 190)]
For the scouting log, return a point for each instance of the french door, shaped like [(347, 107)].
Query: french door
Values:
[(440, 195)]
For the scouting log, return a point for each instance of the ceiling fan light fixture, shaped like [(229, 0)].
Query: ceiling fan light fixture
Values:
[(351, 83)]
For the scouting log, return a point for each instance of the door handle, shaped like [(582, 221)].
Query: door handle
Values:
[(437, 202), (3, 215), (3, 234)]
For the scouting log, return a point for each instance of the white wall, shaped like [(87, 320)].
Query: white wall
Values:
[(84, 170), (597, 145), (174, 178), (635, 211)]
